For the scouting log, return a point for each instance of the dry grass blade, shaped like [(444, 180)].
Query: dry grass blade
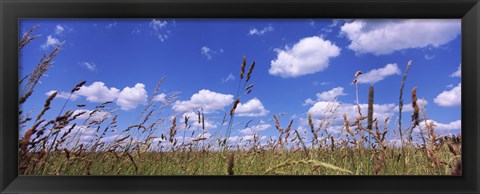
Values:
[(27, 38), (312, 128), (25, 97), (231, 163), (400, 107), (415, 115), (370, 108), (311, 162), (303, 144), (44, 64), (47, 105), (173, 130)]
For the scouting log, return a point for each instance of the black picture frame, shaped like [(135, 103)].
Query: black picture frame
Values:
[(12, 10)]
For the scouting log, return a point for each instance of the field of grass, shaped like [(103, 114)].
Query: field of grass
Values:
[(190, 162), (52, 146)]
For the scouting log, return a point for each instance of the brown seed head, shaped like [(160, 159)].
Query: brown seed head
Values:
[(235, 104), (242, 66), (250, 71)]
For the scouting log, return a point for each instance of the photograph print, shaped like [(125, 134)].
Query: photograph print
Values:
[(169, 96)]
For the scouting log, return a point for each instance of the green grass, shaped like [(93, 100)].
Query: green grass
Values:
[(271, 162)]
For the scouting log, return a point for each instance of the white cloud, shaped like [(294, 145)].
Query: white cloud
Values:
[(158, 29), (59, 29), (331, 94), (64, 95), (98, 115), (207, 52), (326, 96), (308, 56), (309, 101), (230, 77), (254, 129), (379, 74), (454, 125), (51, 41), (252, 108), (325, 108), (450, 98), (408, 107), (257, 32), (457, 73), (90, 66), (130, 98), (158, 24), (160, 98), (206, 99), (98, 92), (381, 37), (112, 138), (193, 120)]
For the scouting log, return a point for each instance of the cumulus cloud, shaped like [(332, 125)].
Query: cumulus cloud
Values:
[(457, 73), (450, 98), (326, 96), (112, 138), (308, 56), (376, 75), (255, 31), (193, 120), (454, 125), (381, 37), (408, 107), (83, 132), (331, 94), (98, 92), (325, 108), (160, 98), (206, 99), (238, 139), (130, 98), (51, 41), (252, 108), (90, 115), (64, 95), (309, 101), (254, 129), (127, 98)]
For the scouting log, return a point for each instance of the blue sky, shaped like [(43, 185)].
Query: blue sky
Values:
[(302, 65)]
